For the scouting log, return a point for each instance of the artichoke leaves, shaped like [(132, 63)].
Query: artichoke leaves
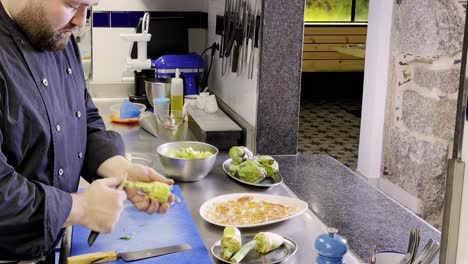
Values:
[(251, 168), (251, 171), (231, 242), (154, 190), (240, 154), (270, 164)]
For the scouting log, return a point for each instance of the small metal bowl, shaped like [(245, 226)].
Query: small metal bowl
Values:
[(187, 170)]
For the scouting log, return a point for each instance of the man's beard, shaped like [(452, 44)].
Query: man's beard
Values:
[(33, 21)]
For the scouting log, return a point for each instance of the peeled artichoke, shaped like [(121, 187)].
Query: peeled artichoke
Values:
[(231, 242), (267, 241), (154, 190), (239, 154), (251, 171), (269, 164)]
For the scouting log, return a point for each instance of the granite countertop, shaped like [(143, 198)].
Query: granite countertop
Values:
[(344, 200)]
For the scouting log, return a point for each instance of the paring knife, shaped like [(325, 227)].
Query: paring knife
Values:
[(100, 257), (93, 235)]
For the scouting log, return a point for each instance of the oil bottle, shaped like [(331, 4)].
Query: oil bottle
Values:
[(177, 92)]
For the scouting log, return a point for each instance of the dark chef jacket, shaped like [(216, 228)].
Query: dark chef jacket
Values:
[(50, 134)]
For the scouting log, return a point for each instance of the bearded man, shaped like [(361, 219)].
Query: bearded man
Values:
[(51, 134)]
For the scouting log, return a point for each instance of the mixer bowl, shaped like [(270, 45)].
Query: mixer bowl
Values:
[(155, 88)]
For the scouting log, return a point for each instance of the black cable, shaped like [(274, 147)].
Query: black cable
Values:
[(214, 47), (204, 81)]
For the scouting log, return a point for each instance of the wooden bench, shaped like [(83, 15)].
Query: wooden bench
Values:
[(334, 48)]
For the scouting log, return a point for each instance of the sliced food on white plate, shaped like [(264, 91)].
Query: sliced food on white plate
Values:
[(250, 209)]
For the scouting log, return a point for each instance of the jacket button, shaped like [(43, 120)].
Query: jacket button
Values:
[(78, 114), (45, 82), (80, 155), (58, 128), (69, 71), (60, 172)]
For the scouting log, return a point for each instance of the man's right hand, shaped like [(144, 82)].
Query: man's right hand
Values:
[(99, 206)]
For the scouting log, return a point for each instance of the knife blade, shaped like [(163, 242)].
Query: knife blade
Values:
[(101, 257), (93, 235)]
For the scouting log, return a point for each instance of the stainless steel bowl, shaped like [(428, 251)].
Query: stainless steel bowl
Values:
[(155, 88), (187, 170)]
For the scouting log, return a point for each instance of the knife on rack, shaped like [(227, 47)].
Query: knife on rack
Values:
[(93, 235), (101, 257)]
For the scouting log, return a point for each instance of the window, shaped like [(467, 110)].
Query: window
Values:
[(336, 10)]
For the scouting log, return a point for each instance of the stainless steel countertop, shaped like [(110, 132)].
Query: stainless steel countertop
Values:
[(303, 229)]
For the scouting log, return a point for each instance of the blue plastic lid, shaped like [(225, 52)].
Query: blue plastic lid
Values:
[(128, 110), (331, 246), (161, 100)]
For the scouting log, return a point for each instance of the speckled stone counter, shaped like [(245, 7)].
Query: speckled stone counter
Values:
[(344, 200)]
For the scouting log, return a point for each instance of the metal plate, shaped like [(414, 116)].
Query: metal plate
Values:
[(267, 182), (280, 254)]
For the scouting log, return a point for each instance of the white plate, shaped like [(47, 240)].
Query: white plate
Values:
[(300, 206), (278, 255), (267, 182)]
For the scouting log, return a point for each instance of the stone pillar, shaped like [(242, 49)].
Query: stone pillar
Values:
[(427, 38), (280, 76)]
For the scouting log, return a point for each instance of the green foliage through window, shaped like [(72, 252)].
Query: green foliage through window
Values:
[(336, 11)]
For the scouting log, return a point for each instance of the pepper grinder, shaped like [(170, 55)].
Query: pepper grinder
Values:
[(331, 247)]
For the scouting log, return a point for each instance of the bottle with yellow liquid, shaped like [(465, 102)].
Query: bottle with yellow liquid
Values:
[(177, 92)]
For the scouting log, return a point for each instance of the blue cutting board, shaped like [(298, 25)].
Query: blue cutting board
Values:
[(148, 231)]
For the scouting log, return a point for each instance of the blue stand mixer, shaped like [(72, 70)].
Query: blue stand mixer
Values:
[(189, 65)]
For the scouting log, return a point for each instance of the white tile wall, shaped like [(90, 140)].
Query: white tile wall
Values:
[(152, 5), (110, 51), (238, 92)]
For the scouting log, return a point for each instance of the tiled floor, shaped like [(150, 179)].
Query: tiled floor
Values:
[(330, 127)]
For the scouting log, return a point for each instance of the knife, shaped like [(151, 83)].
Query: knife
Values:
[(100, 257), (93, 235)]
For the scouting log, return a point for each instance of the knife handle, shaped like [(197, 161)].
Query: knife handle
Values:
[(98, 257)]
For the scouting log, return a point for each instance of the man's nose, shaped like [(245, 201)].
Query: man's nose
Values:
[(79, 19)]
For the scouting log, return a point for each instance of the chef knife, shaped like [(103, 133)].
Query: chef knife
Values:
[(101, 257), (93, 235)]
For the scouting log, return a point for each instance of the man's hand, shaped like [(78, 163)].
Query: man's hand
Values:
[(99, 206), (118, 166)]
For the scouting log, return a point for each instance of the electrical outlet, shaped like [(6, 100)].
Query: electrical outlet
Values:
[(219, 25)]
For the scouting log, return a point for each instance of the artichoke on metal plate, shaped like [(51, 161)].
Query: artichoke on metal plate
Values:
[(251, 171), (270, 164)]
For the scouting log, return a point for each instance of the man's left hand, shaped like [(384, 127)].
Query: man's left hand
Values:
[(118, 166)]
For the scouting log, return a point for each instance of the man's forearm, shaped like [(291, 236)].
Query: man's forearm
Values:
[(113, 167)]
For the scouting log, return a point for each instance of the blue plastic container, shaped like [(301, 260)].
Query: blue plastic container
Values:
[(331, 248)]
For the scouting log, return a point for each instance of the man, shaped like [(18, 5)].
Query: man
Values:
[(51, 133)]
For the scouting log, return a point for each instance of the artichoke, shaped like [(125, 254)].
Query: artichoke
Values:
[(251, 171), (231, 242), (267, 241), (269, 164), (244, 250), (240, 154), (154, 190), (187, 153), (234, 168)]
